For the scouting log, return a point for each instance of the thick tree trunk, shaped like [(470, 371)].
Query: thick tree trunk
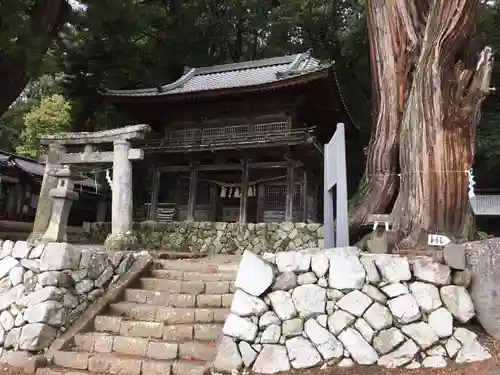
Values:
[(438, 129), (47, 17), (394, 42), (429, 88)]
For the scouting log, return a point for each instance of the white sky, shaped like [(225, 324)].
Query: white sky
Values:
[(76, 4)]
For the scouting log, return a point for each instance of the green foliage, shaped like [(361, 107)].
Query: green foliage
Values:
[(487, 162), (52, 115), (12, 121), (133, 44), (144, 43)]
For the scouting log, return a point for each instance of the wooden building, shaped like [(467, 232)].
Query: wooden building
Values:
[(240, 142), (20, 182)]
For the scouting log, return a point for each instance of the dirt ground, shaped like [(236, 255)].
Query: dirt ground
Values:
[(9, 370)]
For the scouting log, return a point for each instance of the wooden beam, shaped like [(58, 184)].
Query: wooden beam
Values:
[(244, 192), (193, 189), (155, 192), (290, 180), (226, 167), (304, 197), (9, 179)]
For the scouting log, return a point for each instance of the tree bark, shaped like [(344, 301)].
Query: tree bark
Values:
[(394, 41), (429, 86), (46, 19)]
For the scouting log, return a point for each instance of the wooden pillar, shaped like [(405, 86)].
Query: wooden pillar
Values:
[(260, 202), (244, 191), (101, 211), (304, 197), (290, 179), (178, 198), (155, 193), (215, 202), (193, 190)]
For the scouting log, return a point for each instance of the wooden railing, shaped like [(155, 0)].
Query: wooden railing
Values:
[(201, 139)]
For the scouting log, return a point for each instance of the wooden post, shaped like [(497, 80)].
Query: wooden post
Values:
[(155, 192), (178, 198), (260, 202), (193, 190), (304, 197), (290, 179), (215, 201), (244, 191), (101, 211)]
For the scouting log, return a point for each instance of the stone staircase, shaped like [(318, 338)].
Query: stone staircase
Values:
[(166, 323)]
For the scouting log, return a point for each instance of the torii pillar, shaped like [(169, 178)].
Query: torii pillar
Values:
[(122, 198), (121, 236)]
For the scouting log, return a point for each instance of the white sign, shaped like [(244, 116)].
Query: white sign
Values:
[(437, 240)]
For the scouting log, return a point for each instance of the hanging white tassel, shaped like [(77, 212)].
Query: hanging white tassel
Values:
[(250, 192), (108, 178), (471, 183), (237, 193), (230, 192), (223, 192)]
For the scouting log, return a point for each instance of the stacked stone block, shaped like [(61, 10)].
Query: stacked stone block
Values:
[(45, 288), (300, 309), (219, 238)]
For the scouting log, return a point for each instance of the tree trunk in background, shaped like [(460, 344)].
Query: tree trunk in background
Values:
[(47, 17), (429, 86), (392, 53)]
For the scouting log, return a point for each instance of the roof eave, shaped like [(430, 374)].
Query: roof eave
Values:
[(291, 79)]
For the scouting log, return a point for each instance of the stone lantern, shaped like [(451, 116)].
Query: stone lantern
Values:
[(63, 197)]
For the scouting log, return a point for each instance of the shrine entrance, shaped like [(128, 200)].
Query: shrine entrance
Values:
[(121, 212)]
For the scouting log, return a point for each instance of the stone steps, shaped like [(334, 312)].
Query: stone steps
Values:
[(168, 315), (192, 275), (167, 299), (73, 363), (172, 332), (154, 348), (192, 265), (167, 324), (188, 287)]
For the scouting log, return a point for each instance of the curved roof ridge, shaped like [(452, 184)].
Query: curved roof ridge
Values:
[(247, 73)]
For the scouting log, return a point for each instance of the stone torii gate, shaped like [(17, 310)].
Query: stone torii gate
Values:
[(121, 157)]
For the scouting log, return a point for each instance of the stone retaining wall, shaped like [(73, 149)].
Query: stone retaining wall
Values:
[(299, 309), (44, 289), (219, 238)]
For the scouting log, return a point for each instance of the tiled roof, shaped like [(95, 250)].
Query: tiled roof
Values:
[(244, 74), (32, 167)]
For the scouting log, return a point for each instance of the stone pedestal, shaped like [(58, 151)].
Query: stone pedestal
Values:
[(121, 237), (62, 199)]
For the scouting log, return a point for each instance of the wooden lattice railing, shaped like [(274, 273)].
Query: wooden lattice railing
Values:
[(226, 136)]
